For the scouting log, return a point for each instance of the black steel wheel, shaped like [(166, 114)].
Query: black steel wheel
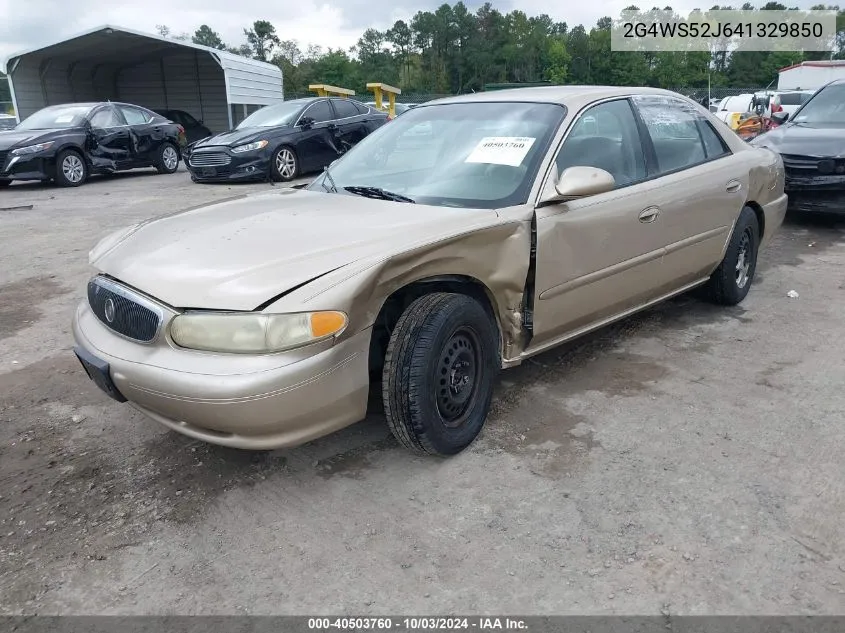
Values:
[(439, 370)]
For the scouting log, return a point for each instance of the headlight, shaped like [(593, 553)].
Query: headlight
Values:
[(254, 333), (32, 149), (250, 147)]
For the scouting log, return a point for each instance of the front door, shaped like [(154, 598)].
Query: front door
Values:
[(597, 256), (317, 145), (109, 139)]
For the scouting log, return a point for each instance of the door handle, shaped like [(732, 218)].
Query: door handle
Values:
[(733, 186), (649, 215)]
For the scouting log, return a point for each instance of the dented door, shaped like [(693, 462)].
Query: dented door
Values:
[(109, 139)]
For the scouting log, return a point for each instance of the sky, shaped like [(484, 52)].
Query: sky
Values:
[(335, 24)]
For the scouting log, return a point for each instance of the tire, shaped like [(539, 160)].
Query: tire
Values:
[(167, 161), (441, 338), (71, 169), (284, 165), (5, 183), (731, 281)]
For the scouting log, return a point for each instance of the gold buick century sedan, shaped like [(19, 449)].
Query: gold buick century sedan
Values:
[(457, 240)]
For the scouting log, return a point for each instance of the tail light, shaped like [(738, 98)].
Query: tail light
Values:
[(777, 108)]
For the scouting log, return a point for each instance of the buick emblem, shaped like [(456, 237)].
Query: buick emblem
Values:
[(109, 310)]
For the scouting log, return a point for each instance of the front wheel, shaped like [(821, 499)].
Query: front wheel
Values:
[(285, 165), (71, 170), (437, 382), (5, 183), (167, 161), (731, 281)]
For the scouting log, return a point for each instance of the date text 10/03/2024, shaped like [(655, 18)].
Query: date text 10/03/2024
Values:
[(417, 624)]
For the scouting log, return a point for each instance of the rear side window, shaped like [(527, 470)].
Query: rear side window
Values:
[(794, 98), (344, 108), (714, 146), (135, 116), (673, 126), (362, 109)]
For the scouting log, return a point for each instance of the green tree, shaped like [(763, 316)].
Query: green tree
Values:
[(206, 36), (261, 39)]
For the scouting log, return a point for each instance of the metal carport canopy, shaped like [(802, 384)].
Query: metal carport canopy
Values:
[(119, 64)]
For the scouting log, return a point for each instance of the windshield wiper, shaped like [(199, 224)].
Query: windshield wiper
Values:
[(378, 194)]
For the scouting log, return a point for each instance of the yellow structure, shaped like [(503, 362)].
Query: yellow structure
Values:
[(324, 90), (378, 90)]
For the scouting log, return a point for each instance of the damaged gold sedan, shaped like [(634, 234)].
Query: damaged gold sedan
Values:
[(462, 238)]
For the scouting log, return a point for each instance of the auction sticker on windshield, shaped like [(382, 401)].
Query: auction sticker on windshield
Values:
[(501, 150)]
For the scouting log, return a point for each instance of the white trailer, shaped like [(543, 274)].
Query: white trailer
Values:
[(810, 75)]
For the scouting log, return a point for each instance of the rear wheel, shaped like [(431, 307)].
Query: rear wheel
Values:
[(167, 161), (731, 281), (5, 183), (438, 376), (285, 165), (71, 170)]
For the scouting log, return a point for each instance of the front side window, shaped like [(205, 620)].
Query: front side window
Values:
[(674, 129), (471, 154), (320, 112), (106, 118), (605, 136)]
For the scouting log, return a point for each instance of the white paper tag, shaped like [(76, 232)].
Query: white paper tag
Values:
[(501, 150), (65, 118)]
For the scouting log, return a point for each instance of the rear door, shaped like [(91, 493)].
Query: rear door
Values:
[(317, 146), (109, 142), (700, 186)]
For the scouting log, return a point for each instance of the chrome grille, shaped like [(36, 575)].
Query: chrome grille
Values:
[(124, 311), (209, 159)]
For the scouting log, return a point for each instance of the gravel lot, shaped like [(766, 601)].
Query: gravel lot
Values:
[(687, 460)]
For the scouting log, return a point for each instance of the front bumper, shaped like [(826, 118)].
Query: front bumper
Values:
[(246, 166), (810, 190), (32, 167), (251, 402)]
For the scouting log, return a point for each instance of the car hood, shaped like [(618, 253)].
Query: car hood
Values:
[(805, 140), (238, 255), (22, 138), (239, 137)]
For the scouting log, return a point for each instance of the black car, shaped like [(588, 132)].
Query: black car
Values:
[(282, 141), (67, 143), (812, 145), (195, 130)]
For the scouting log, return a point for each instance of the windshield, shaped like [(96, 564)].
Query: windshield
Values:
[(473, 154), (56, 117), (273, 116), (826, 108)]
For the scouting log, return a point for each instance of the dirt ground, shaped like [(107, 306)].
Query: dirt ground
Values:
[(687, 460)]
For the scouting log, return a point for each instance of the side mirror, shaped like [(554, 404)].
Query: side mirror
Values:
[(306, 121), (780, 117), (577, 182)]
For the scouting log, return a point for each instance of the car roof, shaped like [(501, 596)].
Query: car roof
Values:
[(569, 95)]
